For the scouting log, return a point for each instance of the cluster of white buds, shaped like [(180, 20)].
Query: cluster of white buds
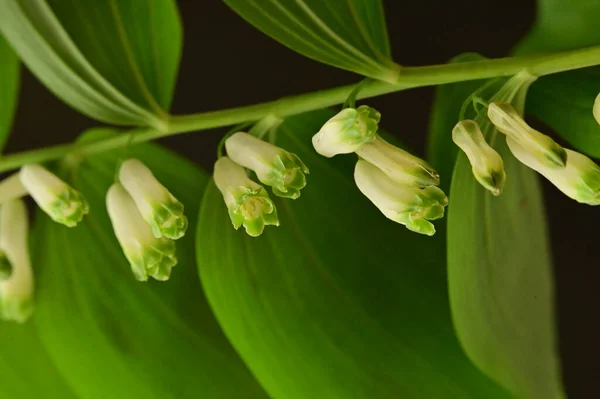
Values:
[(571, 172), (401, 185), (248, 202), (146, 218), (16, 281)]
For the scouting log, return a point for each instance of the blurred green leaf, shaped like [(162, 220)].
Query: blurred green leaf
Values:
[(563, 25), (113, 60), (9, 89), (26, 370), (337, 302), (500, 278), (112, 336), (350, 34), (444, 115)]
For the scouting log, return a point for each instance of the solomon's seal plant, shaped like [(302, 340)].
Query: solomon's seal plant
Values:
[(339, 301)]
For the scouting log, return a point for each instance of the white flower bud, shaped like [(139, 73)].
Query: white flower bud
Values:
[(486, 163), (60, 201), (159, 208), (16, 291), (347, 131), (147, 254), (508, 121), (579, 179), (248, 203), (274, 166), (399, 165), (410, 206)]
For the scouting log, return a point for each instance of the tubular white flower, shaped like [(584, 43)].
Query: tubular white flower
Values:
[(16, 292), (147, 254), (60, 201), (486, 163), (410, 206), (159, 208), (508, 121), (347, 131), (248, 203), (579, 179), (399, 165), (274, 166)]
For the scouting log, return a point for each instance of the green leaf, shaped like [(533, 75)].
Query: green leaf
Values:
[(115, 337), (500, 279), (563, 25), (9, 89), (349, 34), (115, 61), (444, 115), (26, 370), (337, 302)]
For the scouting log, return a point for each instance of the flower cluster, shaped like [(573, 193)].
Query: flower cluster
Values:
[(571, 172), (401, 185), (248, 202), (146, 218)]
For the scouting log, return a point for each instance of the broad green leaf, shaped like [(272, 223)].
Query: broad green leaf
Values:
[(500, 279), (445, 113), (564, 101), (9, 88), (113, 60), (349, 34), (115, 337), (26, 370), (337, 302)]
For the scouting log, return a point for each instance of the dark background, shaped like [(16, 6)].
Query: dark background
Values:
[(227, 63)]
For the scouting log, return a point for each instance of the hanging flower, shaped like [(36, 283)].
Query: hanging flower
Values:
[(274, 166), (248, 203), (159, 208)]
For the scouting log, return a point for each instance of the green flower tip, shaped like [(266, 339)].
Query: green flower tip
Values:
[(347, 131), (411, 206), (61, 202), (254, 210), (18, 309), (508, 121), (274, 166), (486, 163), (400, 166), (6, 268), (148, 255), (247, 202), (159, 208)]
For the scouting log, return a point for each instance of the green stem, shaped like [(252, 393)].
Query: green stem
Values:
[(409, 77)]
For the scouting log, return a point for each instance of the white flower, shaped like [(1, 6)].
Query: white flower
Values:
[(410, 206), (486, 163), (16, 291), (579, 179), (248, 203), (147, 254), (59, 200), (399, 165), (274, 166), (159, 208), (508, 121), (347, 131)]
